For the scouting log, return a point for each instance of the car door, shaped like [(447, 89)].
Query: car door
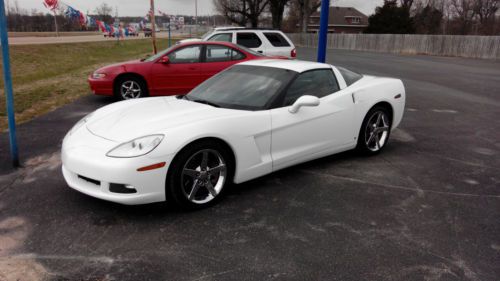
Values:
[(250, 40), (218, 58), (312, 132), (180, 74)]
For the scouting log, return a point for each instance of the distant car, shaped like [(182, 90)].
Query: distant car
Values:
[(109, 34), (174, 71), (133, 32), (266, 41), (254, 118), (147, 32)]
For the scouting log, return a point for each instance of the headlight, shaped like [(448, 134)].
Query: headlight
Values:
[(80, 123), (98, 75), (137, 147)]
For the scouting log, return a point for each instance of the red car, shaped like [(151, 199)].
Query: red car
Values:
[(176, 70)]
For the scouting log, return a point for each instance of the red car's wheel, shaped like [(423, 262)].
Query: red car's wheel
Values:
[(130, 87)]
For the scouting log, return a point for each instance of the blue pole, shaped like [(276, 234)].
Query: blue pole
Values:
[(7, 78), (323, 30)]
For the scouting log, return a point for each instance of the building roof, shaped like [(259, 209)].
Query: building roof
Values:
[(341, 16)]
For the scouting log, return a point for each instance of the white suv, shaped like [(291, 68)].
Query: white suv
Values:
[(265, 41)]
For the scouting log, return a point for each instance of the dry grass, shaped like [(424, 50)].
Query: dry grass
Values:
[(48, 76)]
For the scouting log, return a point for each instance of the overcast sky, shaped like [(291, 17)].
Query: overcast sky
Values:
[(186, 7)]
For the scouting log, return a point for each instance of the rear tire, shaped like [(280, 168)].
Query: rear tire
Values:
[(130, 87), (199, 175), (375, 131)]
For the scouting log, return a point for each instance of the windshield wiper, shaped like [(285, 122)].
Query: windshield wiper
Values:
[(205, 102), (185, 97)]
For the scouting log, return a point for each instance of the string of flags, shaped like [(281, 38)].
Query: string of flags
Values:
[(75, 15)]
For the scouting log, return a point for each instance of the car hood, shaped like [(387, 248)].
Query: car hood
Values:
[(124, 121), (107, 68), (189, 40)]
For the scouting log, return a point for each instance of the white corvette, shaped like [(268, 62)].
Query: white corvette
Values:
[(250, 120)]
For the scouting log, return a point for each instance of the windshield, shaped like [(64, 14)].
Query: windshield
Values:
[(206, 34), (245, 87), (159, 54)]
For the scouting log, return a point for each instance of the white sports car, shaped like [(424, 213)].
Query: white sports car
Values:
[(249, 120)]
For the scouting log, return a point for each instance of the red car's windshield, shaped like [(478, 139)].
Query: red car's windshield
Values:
[(159, 54)]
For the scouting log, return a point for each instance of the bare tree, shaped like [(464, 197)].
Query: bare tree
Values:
[(104, 11), (306, 8), (277, 8), (241, 11), (465, 13), (256, 7), (486, 10), (233, 10), (406, 4)]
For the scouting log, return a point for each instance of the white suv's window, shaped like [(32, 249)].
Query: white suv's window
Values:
[(276, 39), (248, 39), (225, 37)]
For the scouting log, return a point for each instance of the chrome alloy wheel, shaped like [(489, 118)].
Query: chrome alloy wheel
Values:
[(203, 176), (130, 90), (377, 131)]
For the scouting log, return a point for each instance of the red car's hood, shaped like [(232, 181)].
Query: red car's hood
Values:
[(119, 65)]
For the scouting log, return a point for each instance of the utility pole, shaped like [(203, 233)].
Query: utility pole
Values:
[(55, 22), (196, 16), (117, 26), (153, 28)]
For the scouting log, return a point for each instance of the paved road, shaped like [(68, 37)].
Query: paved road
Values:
[(76, 39), (427, 208)]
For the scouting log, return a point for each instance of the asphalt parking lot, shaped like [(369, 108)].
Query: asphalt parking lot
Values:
[(427, 208)]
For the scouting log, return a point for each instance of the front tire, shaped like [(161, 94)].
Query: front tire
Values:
[(375, 131), (130, 87), (199, 175)]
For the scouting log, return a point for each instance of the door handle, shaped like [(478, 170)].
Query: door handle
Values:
[(260, 52), (192, 68)]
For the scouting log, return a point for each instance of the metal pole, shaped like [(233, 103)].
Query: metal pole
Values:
[(169, 34), (323, 30), (7, 77), (153, 28), (196, 16), (55, 23)]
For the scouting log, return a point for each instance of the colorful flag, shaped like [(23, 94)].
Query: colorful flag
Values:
[(51, 4)]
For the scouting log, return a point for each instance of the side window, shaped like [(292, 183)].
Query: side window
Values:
[(189, 54), (217, 53), (350, 77), (317, 83), (276, 39), (237, 55), (248, 39), (225, 37)]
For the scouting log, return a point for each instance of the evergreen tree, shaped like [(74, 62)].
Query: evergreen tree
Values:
[(390, 19)]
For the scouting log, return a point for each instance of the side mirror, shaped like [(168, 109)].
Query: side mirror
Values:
[(165, 60), (304, 101)]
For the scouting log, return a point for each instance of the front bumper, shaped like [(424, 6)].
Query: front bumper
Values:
[(102, 86), (87, 169)]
